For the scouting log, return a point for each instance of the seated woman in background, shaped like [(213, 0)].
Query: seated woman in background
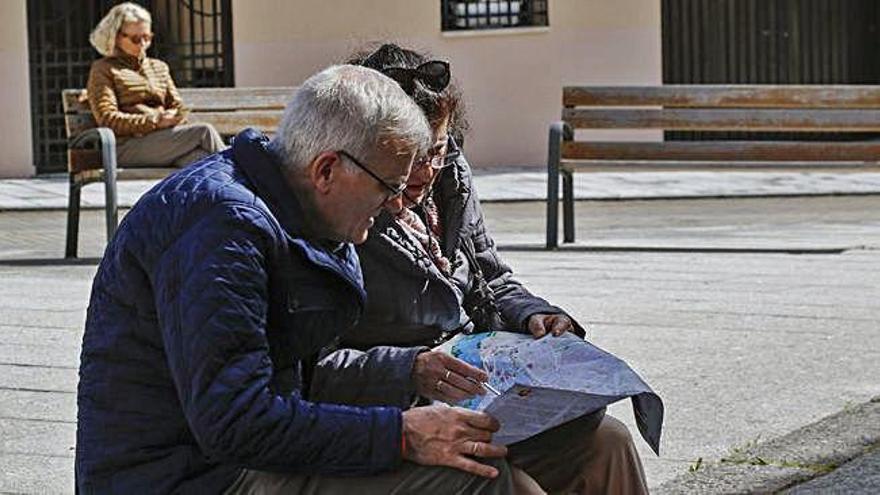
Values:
[(135, 96), (431, 271)]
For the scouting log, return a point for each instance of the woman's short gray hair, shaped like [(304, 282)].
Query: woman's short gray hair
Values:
[(103, 38), (345, 107)]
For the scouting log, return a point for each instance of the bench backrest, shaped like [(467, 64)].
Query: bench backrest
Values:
[(796, 108), (228, 109)]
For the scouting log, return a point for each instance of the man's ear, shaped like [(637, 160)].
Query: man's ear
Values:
[(323, 171)]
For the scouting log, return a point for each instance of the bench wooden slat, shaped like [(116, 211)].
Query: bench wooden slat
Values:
[(139, 173), (83, 159), (725, 96), (226, 123), (204, 99), (723, 150), (724, 119), (230, 123), (209, 99), (627, 166)]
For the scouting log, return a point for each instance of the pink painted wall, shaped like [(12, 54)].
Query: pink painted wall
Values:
[(16, 153), (512, 80)]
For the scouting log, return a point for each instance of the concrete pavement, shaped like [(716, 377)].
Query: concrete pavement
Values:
[(744, 341)]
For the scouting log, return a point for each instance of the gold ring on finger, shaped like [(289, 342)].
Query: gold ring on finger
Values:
[(438, 385), (448, 372), (474, 448)]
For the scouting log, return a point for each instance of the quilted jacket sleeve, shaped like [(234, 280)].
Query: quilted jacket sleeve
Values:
[(514, 301), (211, 291), (381, 375)]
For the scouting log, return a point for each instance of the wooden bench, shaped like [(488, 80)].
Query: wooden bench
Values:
[(92, 149), (793, 109)]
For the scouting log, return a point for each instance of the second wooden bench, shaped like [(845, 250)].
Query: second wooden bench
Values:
[(797, 109)]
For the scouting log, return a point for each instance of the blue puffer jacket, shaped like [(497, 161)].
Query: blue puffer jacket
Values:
[(202, 312)]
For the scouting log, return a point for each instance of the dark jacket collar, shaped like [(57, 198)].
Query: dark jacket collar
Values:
[(453, 192), (262, 168)]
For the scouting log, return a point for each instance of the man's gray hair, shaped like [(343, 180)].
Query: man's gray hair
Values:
[(350, 108)]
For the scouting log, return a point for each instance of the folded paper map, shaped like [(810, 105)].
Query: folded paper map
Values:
[(549, 381)]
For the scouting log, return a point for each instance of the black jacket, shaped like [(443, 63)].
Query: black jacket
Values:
[(411, 303)]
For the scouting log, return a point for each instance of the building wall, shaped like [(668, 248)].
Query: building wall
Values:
[(511, 80), (16, 152)]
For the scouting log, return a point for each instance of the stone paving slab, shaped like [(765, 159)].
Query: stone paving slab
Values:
[(39, 474), (50, 192), (38, 378), (37, 406), (31, 437)]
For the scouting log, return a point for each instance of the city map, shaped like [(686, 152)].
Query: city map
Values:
[(548, 381)]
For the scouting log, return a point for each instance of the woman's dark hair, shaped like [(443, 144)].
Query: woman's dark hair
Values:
[(436, 105)]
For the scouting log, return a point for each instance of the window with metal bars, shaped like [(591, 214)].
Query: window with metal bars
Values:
[(465, 15)]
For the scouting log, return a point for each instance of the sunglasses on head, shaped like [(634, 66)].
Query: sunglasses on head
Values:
[(433, 74)]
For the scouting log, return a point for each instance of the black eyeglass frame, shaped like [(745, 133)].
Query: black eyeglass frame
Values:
[(393, 192)]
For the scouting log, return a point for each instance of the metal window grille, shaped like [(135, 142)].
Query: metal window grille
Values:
[(463, 15), (193, 36)]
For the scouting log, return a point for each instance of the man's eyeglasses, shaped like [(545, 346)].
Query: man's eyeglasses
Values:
[(393, 192), (137, 39), (433, 74)]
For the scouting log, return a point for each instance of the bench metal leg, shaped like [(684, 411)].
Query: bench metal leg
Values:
[(553, 158), (73, 205), (567, 206), (108, 155)]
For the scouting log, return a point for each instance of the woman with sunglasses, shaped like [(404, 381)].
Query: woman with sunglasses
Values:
[(431, 271), (135, 96)]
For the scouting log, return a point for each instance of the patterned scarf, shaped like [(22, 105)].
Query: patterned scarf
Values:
[(415, 226)]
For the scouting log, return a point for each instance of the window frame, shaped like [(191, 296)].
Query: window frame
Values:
[(457, 16)]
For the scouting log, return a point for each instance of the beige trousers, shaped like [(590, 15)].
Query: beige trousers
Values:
[(576, 457), (178, 146)]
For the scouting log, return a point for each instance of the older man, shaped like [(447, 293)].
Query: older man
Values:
[(222, 282)]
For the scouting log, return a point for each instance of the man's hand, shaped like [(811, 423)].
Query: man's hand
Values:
[(556, 324), (439, 376), (439, 435)]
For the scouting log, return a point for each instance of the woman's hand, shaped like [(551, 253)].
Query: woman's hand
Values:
[(557, 324), (439, 376), (169, 118)]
